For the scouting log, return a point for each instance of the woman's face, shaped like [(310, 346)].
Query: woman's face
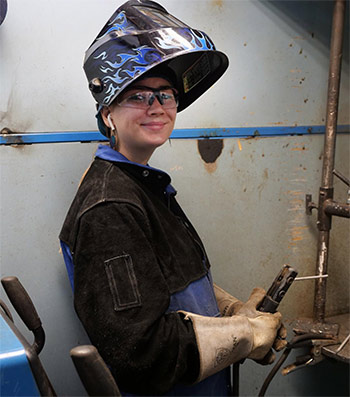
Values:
[(141, 131)]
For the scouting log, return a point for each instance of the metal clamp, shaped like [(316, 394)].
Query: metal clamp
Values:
[(312, 358)]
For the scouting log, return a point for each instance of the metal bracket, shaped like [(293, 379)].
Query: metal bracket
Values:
[(324, 221), (309, 204)]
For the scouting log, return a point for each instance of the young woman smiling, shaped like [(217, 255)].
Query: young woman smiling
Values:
[(141, 277)]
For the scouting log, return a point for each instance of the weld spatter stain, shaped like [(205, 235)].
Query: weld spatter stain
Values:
[(210, 149)]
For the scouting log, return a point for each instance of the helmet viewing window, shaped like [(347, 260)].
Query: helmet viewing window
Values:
[(160, 18)]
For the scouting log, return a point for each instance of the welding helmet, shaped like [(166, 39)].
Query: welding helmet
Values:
[(142, 38)]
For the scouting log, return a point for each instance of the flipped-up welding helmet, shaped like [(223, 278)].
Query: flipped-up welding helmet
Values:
[(142, 37)]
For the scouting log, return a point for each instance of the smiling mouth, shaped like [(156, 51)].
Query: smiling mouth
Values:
[(154, 125)]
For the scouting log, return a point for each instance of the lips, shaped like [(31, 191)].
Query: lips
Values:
[(154, 125)]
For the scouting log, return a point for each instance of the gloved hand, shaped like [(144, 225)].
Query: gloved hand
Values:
[(228, 304), (262, 344), (225, 340)]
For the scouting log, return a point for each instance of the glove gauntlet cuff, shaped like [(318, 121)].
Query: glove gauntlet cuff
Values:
[(220, 341)]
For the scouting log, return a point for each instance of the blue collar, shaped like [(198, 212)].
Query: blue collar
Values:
[(105, 152)]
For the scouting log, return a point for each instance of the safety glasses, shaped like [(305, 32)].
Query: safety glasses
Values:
[(142, 97)]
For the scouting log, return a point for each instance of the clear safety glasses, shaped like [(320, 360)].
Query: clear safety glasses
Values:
[(143, 97)]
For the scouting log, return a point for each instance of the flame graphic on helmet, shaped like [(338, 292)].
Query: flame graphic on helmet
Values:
[(128, 66), (120, 24), (200, 41)]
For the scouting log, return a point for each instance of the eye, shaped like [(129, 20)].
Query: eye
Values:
[(136, 98), (167, 97)]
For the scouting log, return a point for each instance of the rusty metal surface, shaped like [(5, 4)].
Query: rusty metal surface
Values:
[(344, 329), (308, 325)]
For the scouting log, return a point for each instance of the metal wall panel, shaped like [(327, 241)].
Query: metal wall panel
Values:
[(248, 206), (277, 76), (246, 197)]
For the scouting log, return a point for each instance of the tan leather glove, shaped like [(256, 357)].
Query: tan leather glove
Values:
[(226, 340), (249, 309), (228, 304)]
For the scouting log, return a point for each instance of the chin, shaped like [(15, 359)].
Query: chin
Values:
[(159, 143), (158, 140)]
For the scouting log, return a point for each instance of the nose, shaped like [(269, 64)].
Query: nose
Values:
[(156, 107)]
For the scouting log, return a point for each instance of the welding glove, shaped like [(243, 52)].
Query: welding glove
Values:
[(228, 304), (226, 340), (249, 309)]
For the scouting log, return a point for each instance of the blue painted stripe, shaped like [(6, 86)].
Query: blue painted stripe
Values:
[(194, 133)]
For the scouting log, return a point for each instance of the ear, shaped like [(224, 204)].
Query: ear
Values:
[(104, 113)]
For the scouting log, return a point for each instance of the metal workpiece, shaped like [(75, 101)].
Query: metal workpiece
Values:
[(304, 326), (341, 350), (312, 357), (312, 337)]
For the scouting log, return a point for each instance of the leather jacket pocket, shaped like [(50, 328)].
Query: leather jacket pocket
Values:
[(122, 282)]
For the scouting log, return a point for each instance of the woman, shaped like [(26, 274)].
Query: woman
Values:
[(141, 277)]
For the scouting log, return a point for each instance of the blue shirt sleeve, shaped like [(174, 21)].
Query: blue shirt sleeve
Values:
[(68, 260)]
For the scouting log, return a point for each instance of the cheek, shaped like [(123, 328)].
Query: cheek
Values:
[(124, 120), (172, 115)]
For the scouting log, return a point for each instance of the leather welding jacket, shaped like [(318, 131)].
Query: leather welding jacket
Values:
[(137, 260)]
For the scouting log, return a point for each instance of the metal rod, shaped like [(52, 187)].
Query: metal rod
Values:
[(332, 207), (329, 154), (345, 341), (310, 277), (342, 177), (333, 92)]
